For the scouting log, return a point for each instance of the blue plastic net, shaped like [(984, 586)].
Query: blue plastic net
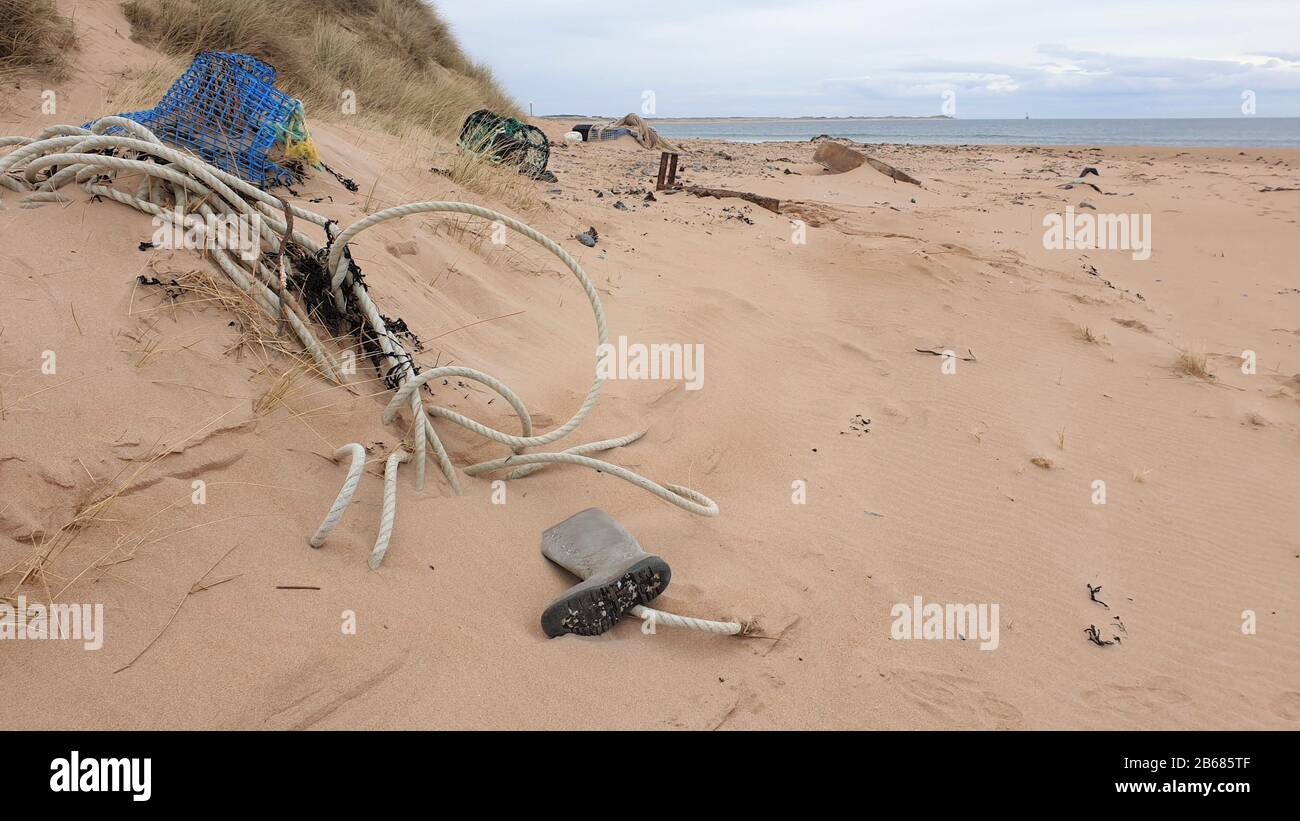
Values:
[(225, 109)]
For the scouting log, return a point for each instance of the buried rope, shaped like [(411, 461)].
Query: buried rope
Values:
[(185, 191), (345, 493), (656, 617), (390, 507)]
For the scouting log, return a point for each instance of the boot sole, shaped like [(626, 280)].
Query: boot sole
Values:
[(590, 611)]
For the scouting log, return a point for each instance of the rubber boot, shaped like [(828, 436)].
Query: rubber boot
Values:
[(617, 574)]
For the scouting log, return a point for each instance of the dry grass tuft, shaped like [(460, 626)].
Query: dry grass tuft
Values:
[(198, 289), (284, 386), (503, 183), (34, 37), (1085, 334), (394, 63), (102, 497), (148, 349), (1043, 462), (1193, 363), (397, 57), (256, 333), (138, 89)]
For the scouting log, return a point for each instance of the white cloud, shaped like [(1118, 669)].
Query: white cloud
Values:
[(786, 57)]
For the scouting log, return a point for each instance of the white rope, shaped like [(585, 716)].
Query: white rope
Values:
[(37, 167), (657, 617), (390, 507), (590, 447), (345, 492), (87, 155), (683, 497)]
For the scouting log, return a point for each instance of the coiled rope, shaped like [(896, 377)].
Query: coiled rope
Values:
[(175, 185)]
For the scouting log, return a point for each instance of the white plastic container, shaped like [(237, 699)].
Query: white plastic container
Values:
[(572, 137)]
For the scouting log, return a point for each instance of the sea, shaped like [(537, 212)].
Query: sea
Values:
[(1244, 131)]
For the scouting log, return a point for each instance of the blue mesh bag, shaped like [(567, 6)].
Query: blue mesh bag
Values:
[(226, 109)]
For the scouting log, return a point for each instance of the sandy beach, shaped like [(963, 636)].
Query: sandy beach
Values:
[(856, 467)]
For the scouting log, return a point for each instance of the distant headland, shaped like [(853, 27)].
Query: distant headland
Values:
[(746, 119)]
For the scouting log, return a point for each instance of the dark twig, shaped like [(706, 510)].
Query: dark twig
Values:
[(970, 358)]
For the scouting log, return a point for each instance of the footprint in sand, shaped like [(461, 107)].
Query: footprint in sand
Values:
[(1135, 700), (956, 700), (712, 460)]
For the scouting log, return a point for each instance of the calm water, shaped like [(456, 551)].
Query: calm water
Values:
[(1237, 131)]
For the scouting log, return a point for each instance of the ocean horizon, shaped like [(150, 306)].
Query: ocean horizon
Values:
[(1190, 132)]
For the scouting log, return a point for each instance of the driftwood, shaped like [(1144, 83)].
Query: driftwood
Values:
[(838, 158), (770, 203), (890, 171)]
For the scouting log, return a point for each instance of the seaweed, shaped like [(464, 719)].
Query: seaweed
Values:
[(344, 181), (309, 277), (172, 289)]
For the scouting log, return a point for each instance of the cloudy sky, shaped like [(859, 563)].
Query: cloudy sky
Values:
[(998, 58)]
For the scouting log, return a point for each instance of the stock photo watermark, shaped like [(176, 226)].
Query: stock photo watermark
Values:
[(1098, 232), (59, 622), (191, 232), (77, 774), (947, 622), (676, 361)]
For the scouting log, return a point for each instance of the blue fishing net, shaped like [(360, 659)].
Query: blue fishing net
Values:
[(226, 109)]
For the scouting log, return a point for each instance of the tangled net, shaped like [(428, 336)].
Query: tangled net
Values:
[(506, 140)]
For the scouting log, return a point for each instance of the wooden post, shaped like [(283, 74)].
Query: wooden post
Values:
[(667, 179)]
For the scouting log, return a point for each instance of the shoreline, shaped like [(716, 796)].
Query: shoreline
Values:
[(1294, 150), (1062, 146), (893, 118), (1185, 133)]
